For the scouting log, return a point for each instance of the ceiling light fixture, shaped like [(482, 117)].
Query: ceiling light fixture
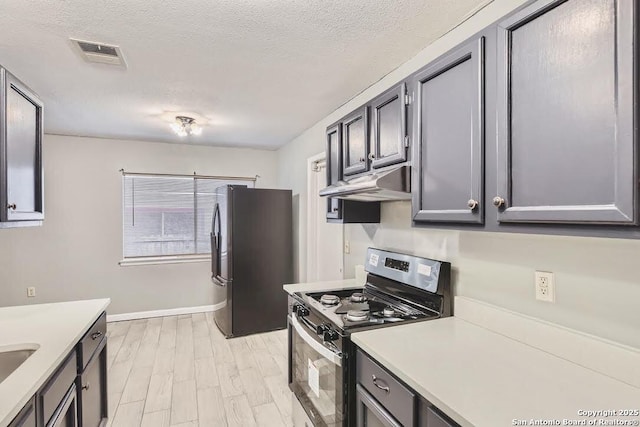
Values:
[(184, 126)]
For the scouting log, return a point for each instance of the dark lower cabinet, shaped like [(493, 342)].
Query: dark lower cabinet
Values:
[(58, 393), (93, 389), (76, 394), (66, 414), (26, 417), (370, 413), (430, 416), (382, 400), (397, 400)]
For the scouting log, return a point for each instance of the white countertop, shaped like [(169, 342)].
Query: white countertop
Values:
[(483, 379), (321, 286), (51, 328)]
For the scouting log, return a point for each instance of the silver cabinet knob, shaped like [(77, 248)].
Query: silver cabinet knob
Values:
[(362, 159), (86, 387), (498, 201), (372, 156), (472, 204), (12, 206)]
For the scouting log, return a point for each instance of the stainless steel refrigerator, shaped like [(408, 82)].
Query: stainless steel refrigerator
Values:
[(251, 258)]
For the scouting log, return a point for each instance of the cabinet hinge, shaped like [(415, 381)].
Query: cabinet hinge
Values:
[(406, 141), (407, 99)]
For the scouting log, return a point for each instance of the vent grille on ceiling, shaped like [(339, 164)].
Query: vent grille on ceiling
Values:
[(99, 52)]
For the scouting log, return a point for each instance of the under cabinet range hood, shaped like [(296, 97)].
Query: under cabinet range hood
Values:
[(389, 184)]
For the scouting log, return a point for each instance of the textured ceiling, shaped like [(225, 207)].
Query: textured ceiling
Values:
[(258, 71)]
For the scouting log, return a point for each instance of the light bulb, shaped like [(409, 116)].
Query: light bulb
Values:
[(178, 128), (184, 126), (196, 130)]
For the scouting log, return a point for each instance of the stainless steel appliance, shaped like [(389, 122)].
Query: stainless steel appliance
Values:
[(390, 184), (251, 258), (400, 288)]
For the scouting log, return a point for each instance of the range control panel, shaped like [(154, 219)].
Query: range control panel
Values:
[(396, 264), (421, 273)]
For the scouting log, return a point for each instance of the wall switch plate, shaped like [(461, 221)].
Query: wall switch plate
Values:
[(545, 286), (347, 247), (31, 291)]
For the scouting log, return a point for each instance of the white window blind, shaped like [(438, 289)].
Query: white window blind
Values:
[(169, 215)]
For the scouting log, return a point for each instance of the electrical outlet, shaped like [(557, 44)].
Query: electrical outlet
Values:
[(545, 286), (347, 247), (31, 291)]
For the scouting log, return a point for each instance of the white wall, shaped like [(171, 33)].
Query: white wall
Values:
[(597, 280), (75, 254)]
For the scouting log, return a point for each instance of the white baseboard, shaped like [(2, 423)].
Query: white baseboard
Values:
[(162, 313)]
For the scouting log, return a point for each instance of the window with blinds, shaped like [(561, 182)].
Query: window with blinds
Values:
[(169, 215)]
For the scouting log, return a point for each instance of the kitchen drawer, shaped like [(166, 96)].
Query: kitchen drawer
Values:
[(92, 340), (396, 398), (56, 389)]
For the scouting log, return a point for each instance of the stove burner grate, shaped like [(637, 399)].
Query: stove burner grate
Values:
[(358, 297), (388, 312), (357, 315), (329, 299)]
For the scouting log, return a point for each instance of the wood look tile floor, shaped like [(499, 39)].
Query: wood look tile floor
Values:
[(181, 371)]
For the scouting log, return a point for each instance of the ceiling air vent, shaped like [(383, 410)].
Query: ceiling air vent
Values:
[(99, 52)]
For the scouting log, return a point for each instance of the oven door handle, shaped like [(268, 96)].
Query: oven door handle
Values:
[(332, 356)]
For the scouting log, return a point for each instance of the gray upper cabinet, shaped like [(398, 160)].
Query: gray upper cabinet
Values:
[(334, 174), (355, 133), (448, 129), (344, 211), (565, 114), (21, 186), (389, 137)]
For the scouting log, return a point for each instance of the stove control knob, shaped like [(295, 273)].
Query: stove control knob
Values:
[(330, 335), (302, 311), (321, 329)]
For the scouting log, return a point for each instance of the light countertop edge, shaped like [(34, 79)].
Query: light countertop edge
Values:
[(19, 387)]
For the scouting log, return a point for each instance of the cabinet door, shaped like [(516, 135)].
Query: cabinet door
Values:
[(355, 142), (370, 413), (334, 171), (22, 151), (389, 127), (26, 417), (93, 389), (565, 113), (449, 143)]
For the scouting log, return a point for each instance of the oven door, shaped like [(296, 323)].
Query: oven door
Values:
[(317, 375)]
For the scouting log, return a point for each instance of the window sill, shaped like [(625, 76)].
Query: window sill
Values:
[(176, 259)]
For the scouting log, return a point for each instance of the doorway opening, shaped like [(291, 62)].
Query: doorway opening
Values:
[(325, 260)]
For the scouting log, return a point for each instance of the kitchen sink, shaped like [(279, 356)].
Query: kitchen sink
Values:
[(11, 360)]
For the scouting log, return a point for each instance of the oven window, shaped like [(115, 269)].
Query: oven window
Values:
[(317, 383)]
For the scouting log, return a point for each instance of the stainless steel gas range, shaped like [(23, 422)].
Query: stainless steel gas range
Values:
[(400, 288)]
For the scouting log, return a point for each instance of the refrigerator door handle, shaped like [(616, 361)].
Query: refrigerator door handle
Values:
[(215, 242), (219, 281)]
